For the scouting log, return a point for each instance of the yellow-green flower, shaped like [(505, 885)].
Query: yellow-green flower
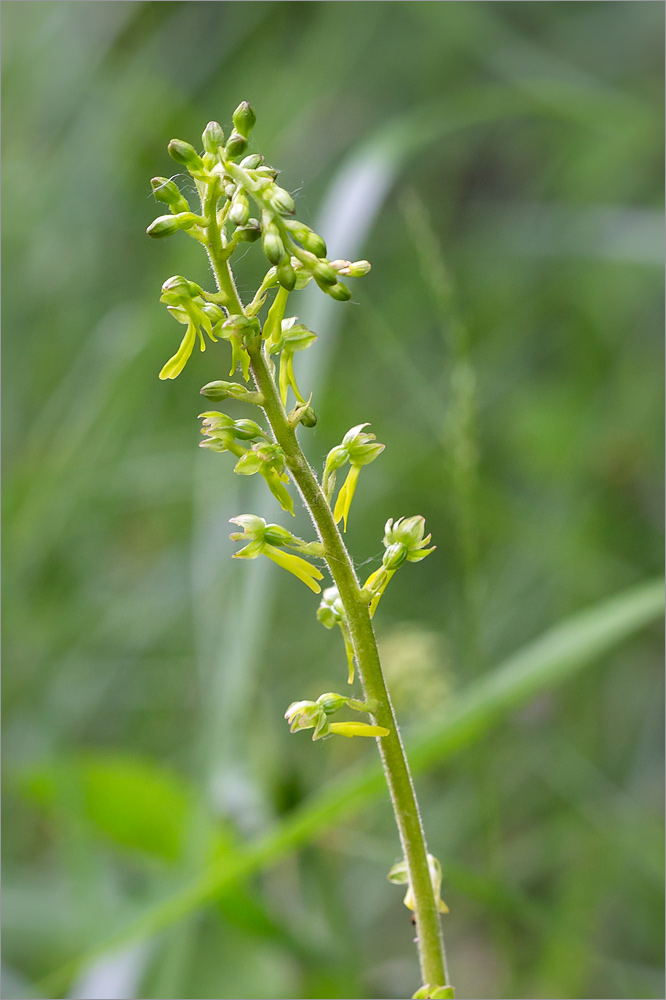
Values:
[(269, 540), (358, 448), (183, 300), (399, 875)]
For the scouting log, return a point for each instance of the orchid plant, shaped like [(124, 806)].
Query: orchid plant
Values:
[(241, 203)]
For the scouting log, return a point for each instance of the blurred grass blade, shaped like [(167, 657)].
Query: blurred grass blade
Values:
[(560, 652)]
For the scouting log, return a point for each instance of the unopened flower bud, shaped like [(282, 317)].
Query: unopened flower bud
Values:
[(324, 273), (183, 152), (217, 391), (352, 269), (273, 246), (337, 291), (268, 172), (281, 200), (359, 268), (303, 414), (213, 311), (249, 233), (331, 702), (286, 274), (275, 534), (336, 458), (252, 161), (236, 145), (167, 192), (247, 430), (239, 212), (244, 119), (213, 137), (312, 241), (179, 287), (394, 556), (166, 225)]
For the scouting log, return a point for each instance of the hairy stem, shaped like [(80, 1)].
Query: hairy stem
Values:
[(431, 951), (405, 806)]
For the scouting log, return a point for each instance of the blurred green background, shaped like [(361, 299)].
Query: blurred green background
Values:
[(500, 164)]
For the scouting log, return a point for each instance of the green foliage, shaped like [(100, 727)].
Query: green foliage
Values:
[(133, 802)]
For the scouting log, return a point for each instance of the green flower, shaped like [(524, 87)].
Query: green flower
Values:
[(270, 540), (268, 459), (358, 448), (314, 715), (399, 875), (294, 337), (404, 541), (331, 613), (184, 301)]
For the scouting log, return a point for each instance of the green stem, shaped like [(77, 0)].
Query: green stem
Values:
[(405, 806), (398, 777)]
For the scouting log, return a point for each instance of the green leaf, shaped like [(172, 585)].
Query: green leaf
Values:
[(133, 801)]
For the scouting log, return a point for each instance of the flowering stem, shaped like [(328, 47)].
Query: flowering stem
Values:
[(405, 806)]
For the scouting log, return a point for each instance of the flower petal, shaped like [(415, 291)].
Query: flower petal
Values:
[(175, 365), (346, 495), (357, 729), (302, 569)]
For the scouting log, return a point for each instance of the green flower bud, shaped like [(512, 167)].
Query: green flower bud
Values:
[(331, 702), (236, 145), (270, 172), (239, 212), (359, 268), (337, 457), (303, 414), (217, 391), (280, 200), (326, 617), (337, 291), (249, 233), (286, 274), (324, 274), (252, 161), (275, 534), (355, 269), (183, 152), (247, 430), (312, 241), (167, 192), (394, 556), (214, 313), (213, 137), (244, 119), (166, 225), (177, 288), (273, 246)]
